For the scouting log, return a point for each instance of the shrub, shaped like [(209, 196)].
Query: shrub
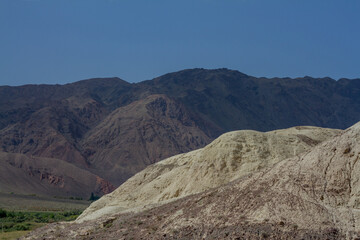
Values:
[(93, 197), (3, 213), (21, 227)]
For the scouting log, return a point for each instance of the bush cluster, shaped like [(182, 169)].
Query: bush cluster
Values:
[(22, 221)]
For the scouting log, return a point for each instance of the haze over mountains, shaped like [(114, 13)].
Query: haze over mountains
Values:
[(110, 129)]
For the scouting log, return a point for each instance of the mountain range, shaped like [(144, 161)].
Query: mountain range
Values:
[(93, 135)]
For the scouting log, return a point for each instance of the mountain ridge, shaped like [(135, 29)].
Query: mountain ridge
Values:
[(54, 121)]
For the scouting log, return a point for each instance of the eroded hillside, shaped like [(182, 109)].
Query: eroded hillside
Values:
[(227, 158), (314, 195)]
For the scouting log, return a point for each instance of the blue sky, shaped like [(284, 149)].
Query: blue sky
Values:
[(61, 41)]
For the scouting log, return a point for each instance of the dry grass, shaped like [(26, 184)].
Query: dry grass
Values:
[(17, 202), (12, 235)]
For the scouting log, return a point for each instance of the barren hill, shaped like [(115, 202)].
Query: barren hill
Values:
[(314, 195), (227, 158), (316, 192)]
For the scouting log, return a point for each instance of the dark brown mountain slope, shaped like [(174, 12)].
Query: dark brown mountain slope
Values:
[(53, 131), (233, 100), (47, 176), (18, 103), (74, 122), (79, 128), (139, 134)]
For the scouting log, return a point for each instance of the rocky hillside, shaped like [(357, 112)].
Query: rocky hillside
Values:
[(113, 129), (314, 195), (233, 100), (48, 177), (139, 134), (232, 155)]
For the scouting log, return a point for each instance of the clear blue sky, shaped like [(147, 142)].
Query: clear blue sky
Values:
[(61, 41)]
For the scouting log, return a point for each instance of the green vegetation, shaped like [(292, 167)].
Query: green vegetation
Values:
[(23, 221)]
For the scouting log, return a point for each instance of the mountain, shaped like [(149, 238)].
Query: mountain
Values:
[(233, 100), (113, 129), (48, 177), (314, 195), (139, 134)]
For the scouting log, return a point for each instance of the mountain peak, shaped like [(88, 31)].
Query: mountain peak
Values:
[(100, 81), (202, 73)]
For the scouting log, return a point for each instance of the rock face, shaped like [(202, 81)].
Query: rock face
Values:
[(113, 129), (314, 195), (227, 158)]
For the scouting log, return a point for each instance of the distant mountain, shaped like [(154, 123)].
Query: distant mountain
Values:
[(48, 177), (138, 134), (233, 100), (113, 129)]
